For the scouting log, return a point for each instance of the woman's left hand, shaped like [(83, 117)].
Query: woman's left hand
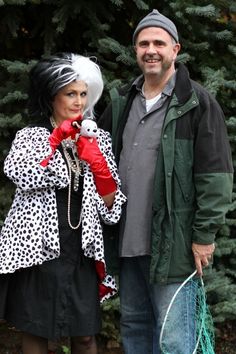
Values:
[(88, 150)]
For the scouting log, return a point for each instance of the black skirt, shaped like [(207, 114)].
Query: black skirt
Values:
[(60, 297)]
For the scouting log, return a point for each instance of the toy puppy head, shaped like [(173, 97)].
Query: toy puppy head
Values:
[(89, 128)]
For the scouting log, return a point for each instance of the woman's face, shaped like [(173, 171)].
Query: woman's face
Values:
[(70, 101)]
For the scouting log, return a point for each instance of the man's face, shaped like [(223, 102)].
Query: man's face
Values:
[(156, 52)]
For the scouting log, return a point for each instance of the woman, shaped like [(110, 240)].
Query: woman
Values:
[(52, 265)]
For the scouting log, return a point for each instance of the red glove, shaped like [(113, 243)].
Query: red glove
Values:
[(103, 289), (64, 131), (89, 151)]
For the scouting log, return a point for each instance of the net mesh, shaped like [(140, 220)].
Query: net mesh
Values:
[(202, 325)]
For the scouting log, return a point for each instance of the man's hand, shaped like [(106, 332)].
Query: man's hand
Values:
[(203, 254)]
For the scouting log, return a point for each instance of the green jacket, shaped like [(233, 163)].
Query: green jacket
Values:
[(193, 178)]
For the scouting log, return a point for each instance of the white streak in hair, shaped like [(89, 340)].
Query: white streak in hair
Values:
[(84, 69), (89, 72)]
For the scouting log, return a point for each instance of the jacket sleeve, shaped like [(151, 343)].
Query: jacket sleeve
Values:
[(22, 164), (110, 215), (213, 172)]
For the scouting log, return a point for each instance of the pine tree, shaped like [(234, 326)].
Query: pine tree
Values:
[(32, 28)]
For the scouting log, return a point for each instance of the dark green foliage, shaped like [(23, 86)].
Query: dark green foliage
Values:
[(31, 28), (110, 321)]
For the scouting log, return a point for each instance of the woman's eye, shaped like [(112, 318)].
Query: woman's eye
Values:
[(83, 94), (71, 94)]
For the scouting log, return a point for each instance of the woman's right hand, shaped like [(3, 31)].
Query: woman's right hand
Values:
[(65, 130)]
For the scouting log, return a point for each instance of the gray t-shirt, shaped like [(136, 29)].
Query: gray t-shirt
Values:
[(141, 140)]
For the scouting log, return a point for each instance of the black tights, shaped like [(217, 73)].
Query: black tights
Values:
[(79, 345)]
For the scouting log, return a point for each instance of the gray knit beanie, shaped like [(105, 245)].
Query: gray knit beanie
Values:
[(156, 19)]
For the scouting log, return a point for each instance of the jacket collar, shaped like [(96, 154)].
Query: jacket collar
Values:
[(183, 88)]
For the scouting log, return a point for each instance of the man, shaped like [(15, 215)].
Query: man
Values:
[(170, 139)]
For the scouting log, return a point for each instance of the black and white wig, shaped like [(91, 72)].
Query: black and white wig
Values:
[(50, 74)]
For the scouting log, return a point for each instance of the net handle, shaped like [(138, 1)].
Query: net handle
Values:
[(170, 305)]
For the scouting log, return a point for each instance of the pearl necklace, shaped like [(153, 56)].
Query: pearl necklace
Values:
[(74, 165)]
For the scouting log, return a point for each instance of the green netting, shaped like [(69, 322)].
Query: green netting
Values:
[(203, 328), (204, 323)]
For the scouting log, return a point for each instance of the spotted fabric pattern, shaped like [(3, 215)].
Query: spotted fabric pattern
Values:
[(30, 234)]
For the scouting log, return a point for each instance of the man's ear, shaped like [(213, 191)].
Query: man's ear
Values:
[(177, 48)]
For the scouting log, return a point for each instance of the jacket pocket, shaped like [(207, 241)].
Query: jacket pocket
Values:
[(181, 263)]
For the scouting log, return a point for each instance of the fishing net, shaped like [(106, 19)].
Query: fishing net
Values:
[(202, 325)]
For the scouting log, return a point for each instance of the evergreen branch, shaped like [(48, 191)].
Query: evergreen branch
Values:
[(231, 122), (232, 7), (118, 3), (215, 80), (224, 247), (225, 309), (6, 195), (16, 66), (125, 59), (208, 11), (12, 23), (202, 46), (141, 5), (230, 84), (108, 45), (231, 222), (183, 58), (184, 19), (224, 230), (10, 122), (13, 2), (60, 18), (232, 49), (231, 272), (232, 206), (221, 280), (225, 35), (114, 83), (233, 139), (13, 96)]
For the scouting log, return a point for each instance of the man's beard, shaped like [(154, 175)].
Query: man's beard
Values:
[(160, 71)]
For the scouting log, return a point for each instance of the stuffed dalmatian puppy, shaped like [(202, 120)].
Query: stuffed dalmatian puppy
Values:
[(89, 128)]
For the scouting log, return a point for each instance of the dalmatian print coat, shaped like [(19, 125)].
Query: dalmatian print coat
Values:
[(30, 234)]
